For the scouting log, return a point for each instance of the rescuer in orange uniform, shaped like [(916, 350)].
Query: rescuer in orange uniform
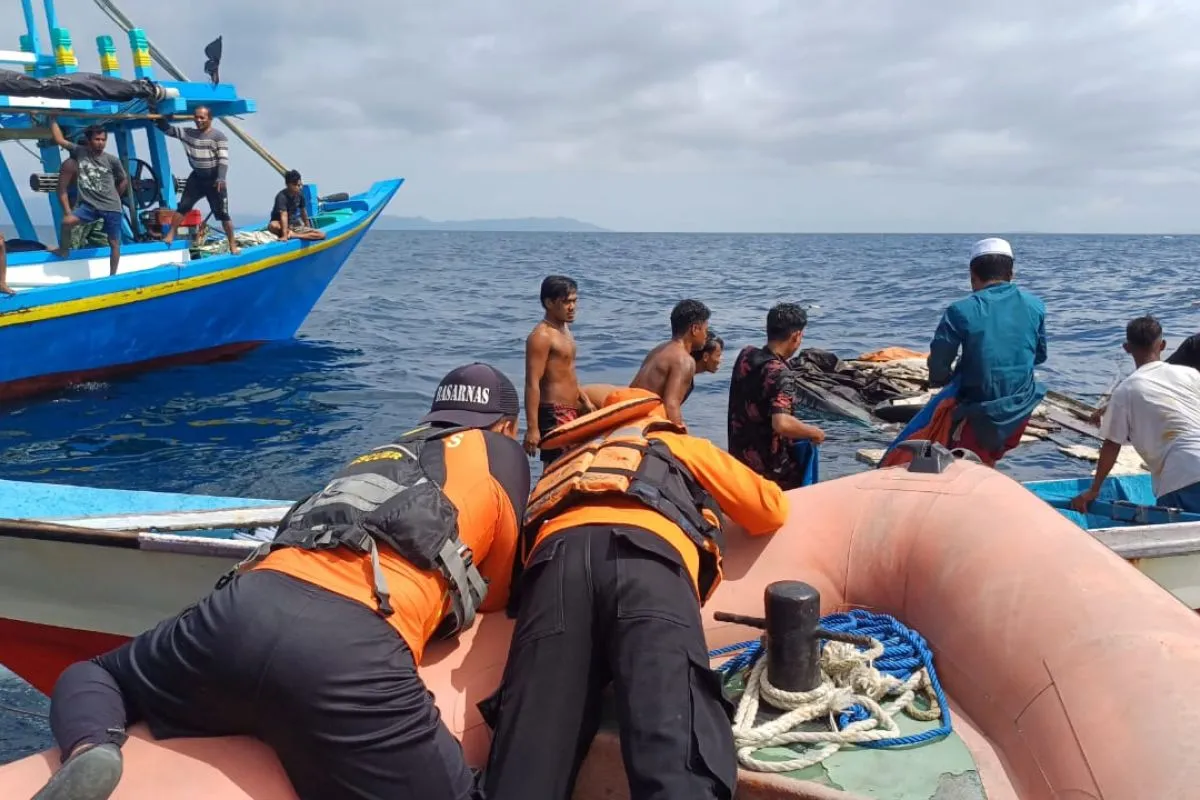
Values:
[(626, 545), (312, 644)]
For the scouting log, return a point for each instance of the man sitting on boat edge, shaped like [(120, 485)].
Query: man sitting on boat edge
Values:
[(1157, 410), (312, 645), (289, 217), (624, 545)]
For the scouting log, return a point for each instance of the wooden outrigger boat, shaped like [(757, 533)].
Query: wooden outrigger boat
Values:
[(82, 569), (70, 321)]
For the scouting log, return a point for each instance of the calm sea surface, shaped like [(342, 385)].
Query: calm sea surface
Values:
[(409, 306)]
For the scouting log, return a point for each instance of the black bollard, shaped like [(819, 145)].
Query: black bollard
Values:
[(793, 611)]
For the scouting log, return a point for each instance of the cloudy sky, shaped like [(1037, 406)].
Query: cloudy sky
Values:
[(699, 115)]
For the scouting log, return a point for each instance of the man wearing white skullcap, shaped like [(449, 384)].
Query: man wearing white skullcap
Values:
[(1000, 330)]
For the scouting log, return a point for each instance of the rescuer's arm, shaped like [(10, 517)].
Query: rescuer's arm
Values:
[(510, 491), (750, 500)]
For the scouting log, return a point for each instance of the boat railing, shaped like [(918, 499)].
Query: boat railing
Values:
[(231, 531), (1152, 541)]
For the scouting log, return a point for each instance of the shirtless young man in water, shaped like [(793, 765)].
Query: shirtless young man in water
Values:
[(552, 392), (670, 368)]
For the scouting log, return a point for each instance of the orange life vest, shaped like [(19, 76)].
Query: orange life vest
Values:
[(608, 452)]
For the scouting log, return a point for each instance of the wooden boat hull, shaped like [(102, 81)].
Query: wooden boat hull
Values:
[(1038, 632), (62, 601), (179, 312)]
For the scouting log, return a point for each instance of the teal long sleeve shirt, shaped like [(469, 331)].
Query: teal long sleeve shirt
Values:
[(1001, 333)]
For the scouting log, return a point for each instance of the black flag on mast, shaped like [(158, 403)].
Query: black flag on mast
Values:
[(212, 67)]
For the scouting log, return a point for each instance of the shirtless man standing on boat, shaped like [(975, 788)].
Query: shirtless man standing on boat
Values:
[(670, 368), (552, 392)]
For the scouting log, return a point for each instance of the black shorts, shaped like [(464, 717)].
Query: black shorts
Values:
[(323, 680), (204, 186)]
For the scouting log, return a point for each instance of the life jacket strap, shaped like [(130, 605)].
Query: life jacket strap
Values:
[(355, 538), (468, 587), (382, 596)]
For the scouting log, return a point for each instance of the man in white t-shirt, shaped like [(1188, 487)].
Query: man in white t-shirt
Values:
[(1157, 410)]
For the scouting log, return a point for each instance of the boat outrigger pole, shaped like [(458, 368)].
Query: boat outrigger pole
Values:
[(117, 16)]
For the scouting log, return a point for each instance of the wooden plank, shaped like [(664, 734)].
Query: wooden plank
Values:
[(1069, 404), (52, 531), (239, 518), (198, 545), (1070, 422), (1151, 541), (869, 456), (9, 134)]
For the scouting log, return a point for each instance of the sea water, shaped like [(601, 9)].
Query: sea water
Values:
[(409, 306)]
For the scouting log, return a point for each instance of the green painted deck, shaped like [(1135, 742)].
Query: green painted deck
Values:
[(939, 770)]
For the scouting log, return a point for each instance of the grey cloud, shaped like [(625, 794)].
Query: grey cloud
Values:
[(1036, 94)]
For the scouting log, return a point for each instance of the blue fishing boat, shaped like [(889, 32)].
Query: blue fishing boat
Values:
[(1164, 543), (84, 568), (70, 321)]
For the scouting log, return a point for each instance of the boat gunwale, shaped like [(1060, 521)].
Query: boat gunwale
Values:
[(164, 531), (1150, 541), (177, 543), (40, 301)]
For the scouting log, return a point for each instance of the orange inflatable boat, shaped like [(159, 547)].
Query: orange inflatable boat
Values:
[(1070, 674)]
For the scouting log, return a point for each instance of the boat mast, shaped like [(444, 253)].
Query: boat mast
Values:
[(117, 16), (33, 45), (51, 17)]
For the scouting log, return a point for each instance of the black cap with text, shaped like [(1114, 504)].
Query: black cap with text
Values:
[(474, 396)]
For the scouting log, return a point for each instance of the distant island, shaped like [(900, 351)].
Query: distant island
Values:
[(40, 216), (519, 225)]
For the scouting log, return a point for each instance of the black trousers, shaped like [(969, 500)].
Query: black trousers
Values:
[(609, 605), (324, 681), (204, 185)]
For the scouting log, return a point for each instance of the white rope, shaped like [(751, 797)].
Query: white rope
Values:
[(848, 677), (244, 239)]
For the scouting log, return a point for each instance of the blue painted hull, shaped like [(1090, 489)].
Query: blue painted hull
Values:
[(1132, 494), (49, 501), (211, 307)]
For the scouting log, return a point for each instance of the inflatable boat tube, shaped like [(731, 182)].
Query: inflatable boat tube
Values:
[(1070, 673)]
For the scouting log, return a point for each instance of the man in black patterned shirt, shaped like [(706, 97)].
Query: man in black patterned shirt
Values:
[(762, 425)]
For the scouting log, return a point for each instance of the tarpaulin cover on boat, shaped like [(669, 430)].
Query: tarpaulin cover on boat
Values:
[(79, 86), (827, 383)]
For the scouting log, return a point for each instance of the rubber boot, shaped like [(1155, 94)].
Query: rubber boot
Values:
[(89, 775)]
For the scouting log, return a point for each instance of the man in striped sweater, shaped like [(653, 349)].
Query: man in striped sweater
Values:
[(208, 153)]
